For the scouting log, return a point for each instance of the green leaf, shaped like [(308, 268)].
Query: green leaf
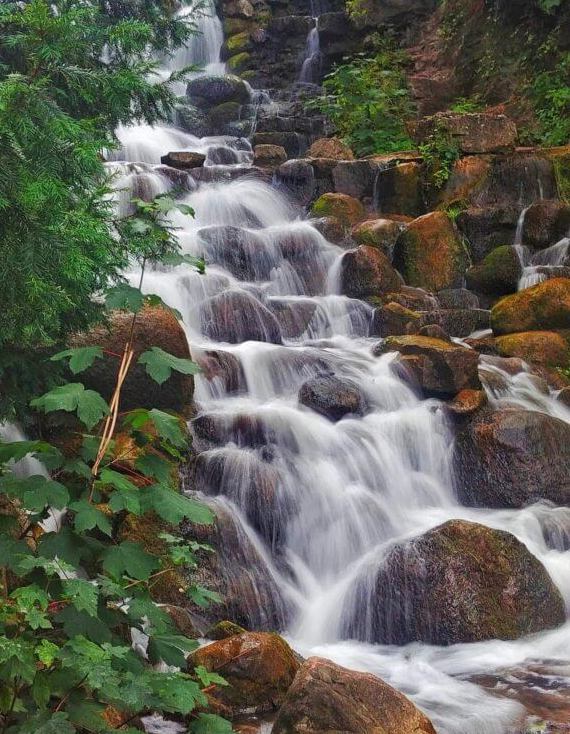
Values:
[(35, 492), (80, 358), (127, 495), (153, 300), (46, 652), (152, 465), (168, 427), (130, 559), (87, 715), (83, 595), (80, 623), (87, 517), (203, 597), (170, 649), (73, 396), (210, 724), (207, 677), (124, 297), (18, 450), (160, 364), (176, 259), (174, 507), (141, 608), (47, 723), (177, 692)]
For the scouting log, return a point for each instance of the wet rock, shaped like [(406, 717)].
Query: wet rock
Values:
[(223, 630), (441, 368), (184, 159), (236, 316), (398, 190), (468, 177), (546, 348), (473, 133), (243, 429), (224, 369), (258, 666), (326, 698), (460, 582), (434, 332), (544, 307), (179, 179), (430, 253), (332, 396), (355, 178), (511, 458), (269, 156), (488, 227), (345, 208), (366, 272), (564, 396), (191, 119), (240, 251), (222, 115), (380, 233), (545, 223), (414, 298), (298, 178), (457, 298), (293, 143), (332, 148), (457, 322), (239, 9), (467, 402), (333, 230), (483, 345), (498, 273), (209, 91), (293, 315), (222, 155), (156, 327), (394, 320)]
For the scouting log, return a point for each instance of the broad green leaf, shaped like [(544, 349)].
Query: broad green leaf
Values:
[(153, 300), (124, 297), (168, 427), (67, 546), (126, 497), (160, 364), (41, 689), (80, 358), (170, 649), (18, 450), (210, 724), (129, 559), (73, 397), (174, 507), (46, 652), (87, 517), (164, 204), (141, 608), (203, 597), (35, 492), (208, 677), (80, 623), (17, 659), (83, 595), (87, 715), (177, 692), (188, 210), (47, 723), (176, 259), (153, 466)]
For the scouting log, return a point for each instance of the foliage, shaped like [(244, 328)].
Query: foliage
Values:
[(440, 152), (465, 105), (549, 6), (550, 93), (69, 73), (368, 100), (73, 577)]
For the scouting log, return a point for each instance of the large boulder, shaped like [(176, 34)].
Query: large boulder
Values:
[(239, 250), (183, 159), (393, 319), (345, 208), (498, 274), (259, 668), (399, 189), (545, 223), (155, 327), (460, 582), (236, 316), (209, 91), (380, 233), (544, 348), (325, 698), (330, 148), (269, 156), (441, 368), (332, 397), (297, 177), (355, 178), (472, 133), (223, 370), (545, 306), (430, 253), (512, 458), (367, 272)]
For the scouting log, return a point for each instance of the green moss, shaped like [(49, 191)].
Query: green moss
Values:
[(238, 42), (239, 61), (562, 173)]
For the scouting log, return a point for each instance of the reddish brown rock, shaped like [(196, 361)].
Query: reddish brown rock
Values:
[(332, 397), (345, 208), (467, 402), (380, 233), (326, 698), (269, 156), (332, 148), (472, 133), (545, 348), (367, 272), (399, 190), (545, 223), (544, 307)]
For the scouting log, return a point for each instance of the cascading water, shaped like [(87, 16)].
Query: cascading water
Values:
[(311, 68), (538, 266), (321, 502)]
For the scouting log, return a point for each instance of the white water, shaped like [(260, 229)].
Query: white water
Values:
[(344, 492), (539, 266), (311, 68)]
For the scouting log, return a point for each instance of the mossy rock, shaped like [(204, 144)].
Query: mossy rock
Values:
[(235, 26), (366, 272), (238, 42), (224, 113), (498, 274), (239, 62), (223, 630), (544, 307), (344, 208), (544, 348)]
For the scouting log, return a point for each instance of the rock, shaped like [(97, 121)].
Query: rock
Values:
[(223, 368), (399, 190), (380, 233), (468, 177), (355, 178), (498, 274), (222, 115), (241, 251), (294, 143), (434, 332), (223, 630), (298, 178), (191, 119), (477, 132), (487, 228), (511, 458), (209, 91), (332, 230), (460, 582), (239, 9), (294, 315), (394, 320), (332, 148), (544, 307), (546, 222), (258, 666), (269, 156), (467, 402), (483, 345), (457, 298), (430, 253), (457, 322), (441, 368), (366, 272), (545, 348), (222, 155), (155, 327), (236, 316), (345, 208), (183, 159), (332, 397), (325, 698), (564, 396)]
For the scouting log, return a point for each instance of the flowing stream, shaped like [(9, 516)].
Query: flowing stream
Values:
[(324, 501)]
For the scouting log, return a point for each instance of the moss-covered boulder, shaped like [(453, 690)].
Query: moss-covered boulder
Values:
[(544, 348), (239, 62), (394, 319), (380, 233), (545, 306), (545, 223), (367, 272), (209, 91), (345, 208), (326, 698), (237, 43), (468, 177), (460, 582), (498, 273), (441, 368), (399, 189), (512, 458), (223, 630), (332, 148), (430, 253), (258, 666)]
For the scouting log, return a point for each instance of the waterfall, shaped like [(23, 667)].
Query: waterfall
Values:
[(319, 501), (537, 267), (311, 68)]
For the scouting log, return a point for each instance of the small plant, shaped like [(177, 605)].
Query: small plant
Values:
[(465, 105), (550, 93), (440, 152)]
